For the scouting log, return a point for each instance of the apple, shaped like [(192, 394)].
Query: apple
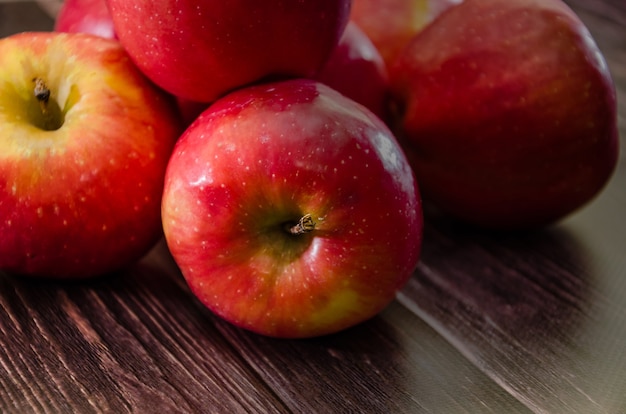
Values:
[(507, 112), (291, 210), (391, 24), (85, 16), (85, 143), (200, 50), (356, 69)]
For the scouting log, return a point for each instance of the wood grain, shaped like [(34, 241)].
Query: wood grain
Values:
[(489, 323), (132, 342)]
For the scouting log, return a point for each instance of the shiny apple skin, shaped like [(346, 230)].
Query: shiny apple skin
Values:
[(509, 113), (201, 49), (85, 16), (82, 200), (356, 69), (257, 161)]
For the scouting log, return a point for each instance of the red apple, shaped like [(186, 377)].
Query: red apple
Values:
[(509, 112), (199, 50), (356, 69), (391, 24), (85, 142), (85, 16), (291, 210)]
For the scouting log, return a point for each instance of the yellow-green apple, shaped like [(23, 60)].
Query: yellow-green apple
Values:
[(291, 210), (85, 143), (508, 112), (85, 16), (200, 49), (391, 24), (356, 69)]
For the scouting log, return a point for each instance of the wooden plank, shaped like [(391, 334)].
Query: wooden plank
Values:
[(538, 314), (132, 342), (22, 15), (394, 363)]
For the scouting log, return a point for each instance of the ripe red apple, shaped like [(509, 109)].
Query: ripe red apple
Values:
[(85, 16), (509, 112), (291, 210), (199, 50), (85, 142), (356, 69), (391, 24)]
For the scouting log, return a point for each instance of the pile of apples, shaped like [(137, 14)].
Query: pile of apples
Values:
[(278, 145)]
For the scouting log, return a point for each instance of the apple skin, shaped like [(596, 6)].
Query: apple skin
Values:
[(356, 69), (508, 113), (391, 24), (258, 160), (84, 199), (199, 50), (85, 16)]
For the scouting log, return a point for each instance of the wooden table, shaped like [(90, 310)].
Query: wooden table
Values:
[(488, 324)]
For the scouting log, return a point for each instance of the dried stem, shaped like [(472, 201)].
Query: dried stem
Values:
[(305, 225)]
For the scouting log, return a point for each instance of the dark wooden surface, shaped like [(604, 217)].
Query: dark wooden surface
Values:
[(488, 324)]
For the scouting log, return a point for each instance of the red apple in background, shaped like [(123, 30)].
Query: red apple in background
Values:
[(85, 16), (199, 50), (509, 112), (291, 210), (391, 24), (356, 69), (85, 142)]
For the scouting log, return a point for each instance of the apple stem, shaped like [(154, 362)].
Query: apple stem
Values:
[(42, 93), (304, 225)]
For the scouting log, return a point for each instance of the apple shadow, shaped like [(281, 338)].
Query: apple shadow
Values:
[(517, 304), (525, 282), (322, 373)]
